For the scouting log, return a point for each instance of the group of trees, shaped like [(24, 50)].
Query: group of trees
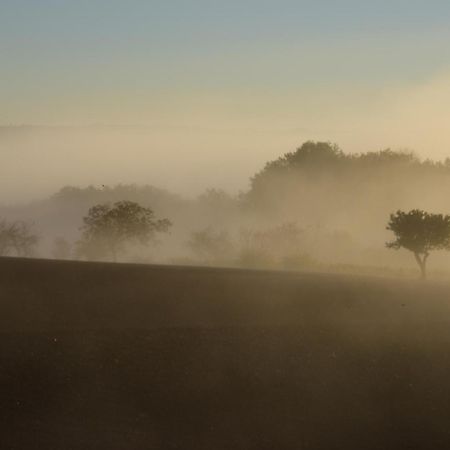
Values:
[(108, 229), (324, 158), (281, 246), (320, 184), (106, 232), (317, 186)]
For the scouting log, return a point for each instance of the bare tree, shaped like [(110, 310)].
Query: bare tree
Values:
[(17, 238)]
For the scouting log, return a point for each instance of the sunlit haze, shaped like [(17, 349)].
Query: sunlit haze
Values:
[(192, 94)]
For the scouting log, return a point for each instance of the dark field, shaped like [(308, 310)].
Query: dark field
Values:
[(104, 356)]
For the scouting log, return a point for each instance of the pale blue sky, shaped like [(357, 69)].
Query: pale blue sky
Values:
[(58, 53)]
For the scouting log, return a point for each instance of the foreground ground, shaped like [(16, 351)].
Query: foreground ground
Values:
[(128, 357)]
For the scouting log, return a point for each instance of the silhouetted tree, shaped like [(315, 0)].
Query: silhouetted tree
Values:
[(420, 233), (17, 238), (108, 229), (310, 156)]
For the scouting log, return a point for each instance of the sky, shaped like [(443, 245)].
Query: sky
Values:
[(202, 92)]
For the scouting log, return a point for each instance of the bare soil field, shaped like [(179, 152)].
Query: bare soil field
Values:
[(134, 357)]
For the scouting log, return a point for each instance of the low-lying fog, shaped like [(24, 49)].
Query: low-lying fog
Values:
[(40, 160), (317, 208)]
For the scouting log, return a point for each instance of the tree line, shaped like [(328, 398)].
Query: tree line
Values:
[(318, 183), (108, 229)]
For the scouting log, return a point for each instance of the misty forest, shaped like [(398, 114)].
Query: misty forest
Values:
[(316, 208)]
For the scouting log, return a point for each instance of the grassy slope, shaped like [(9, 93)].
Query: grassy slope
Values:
[(103, 356)]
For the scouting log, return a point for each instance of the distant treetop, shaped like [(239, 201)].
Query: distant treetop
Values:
[(326, 159), (325, 154)]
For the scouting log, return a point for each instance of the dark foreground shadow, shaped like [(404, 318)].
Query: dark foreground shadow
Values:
[(219, 360)]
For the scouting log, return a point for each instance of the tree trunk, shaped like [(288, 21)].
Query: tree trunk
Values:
[(422, 262)]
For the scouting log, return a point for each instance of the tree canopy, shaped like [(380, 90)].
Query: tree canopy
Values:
[(107, 229), (419, 232)]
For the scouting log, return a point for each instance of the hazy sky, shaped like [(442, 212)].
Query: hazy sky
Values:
[(220, 84)]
